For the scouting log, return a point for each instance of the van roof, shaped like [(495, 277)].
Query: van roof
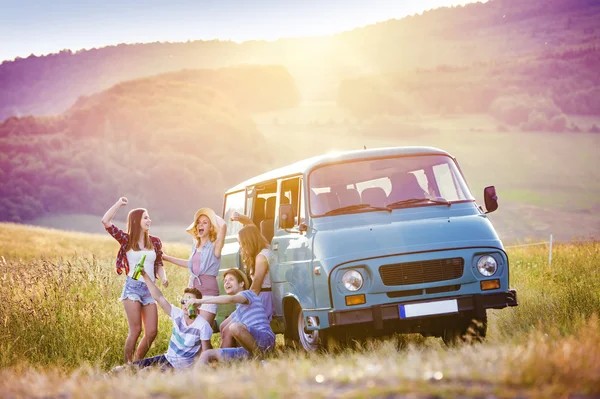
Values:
[(305, 165)]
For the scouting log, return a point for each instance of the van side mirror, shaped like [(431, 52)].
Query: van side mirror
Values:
[(490, 198), (286, 216)]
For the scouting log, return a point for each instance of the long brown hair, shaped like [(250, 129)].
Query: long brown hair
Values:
[(252, 242), (134, 230)]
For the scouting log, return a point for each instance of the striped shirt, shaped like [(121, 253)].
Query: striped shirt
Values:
[(252, 314), (186, 340)]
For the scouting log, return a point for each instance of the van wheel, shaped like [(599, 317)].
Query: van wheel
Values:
[(471, 331), (310, 341)]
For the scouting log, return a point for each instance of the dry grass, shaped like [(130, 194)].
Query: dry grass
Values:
[(62, 327), (542, 366)]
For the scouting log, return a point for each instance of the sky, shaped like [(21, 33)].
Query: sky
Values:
[(48, 26)]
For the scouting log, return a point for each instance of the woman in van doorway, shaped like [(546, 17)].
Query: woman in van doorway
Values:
[(257, 257), (139, 306), (209, 232)]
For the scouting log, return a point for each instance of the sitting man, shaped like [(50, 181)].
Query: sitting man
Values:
[(187, 334), (249, 322), (405, 186)]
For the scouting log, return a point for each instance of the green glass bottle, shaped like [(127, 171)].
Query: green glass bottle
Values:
[(192, 312), (138, 268)]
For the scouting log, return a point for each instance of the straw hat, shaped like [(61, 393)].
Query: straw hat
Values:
[(212, 216), (239, 273)]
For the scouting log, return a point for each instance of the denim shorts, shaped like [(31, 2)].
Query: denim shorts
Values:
[(264, 339), (137, 290)]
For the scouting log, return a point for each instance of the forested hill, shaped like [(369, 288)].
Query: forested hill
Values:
[(528, 94), (172, 143), (477, 32)]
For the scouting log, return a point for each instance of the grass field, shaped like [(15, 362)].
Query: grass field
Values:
[(62, 327)]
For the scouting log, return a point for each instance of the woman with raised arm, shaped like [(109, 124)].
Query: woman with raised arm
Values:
[(140, 307), (209, 232), (257, 257)]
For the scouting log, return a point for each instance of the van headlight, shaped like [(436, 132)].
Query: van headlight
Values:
[(353, 280), (487, 265)]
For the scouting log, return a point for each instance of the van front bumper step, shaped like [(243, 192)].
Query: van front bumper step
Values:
[(377, 314)]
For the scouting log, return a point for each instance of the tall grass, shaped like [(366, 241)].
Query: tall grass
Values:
[(61, 325), (62, 308), (559, 296), (542, 366)]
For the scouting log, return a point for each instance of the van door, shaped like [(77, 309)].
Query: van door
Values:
[(293, 272), (230, 255)]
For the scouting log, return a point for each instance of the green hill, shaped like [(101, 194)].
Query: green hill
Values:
[(533, 93), (171, 143), (495, 30)]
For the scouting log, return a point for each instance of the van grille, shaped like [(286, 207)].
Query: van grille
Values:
[(428, 271)]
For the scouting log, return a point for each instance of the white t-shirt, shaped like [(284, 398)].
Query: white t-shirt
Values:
[(133, 257), (267, 253), (186, 341)]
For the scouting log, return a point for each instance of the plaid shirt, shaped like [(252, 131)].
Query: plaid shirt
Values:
[(123, 239)]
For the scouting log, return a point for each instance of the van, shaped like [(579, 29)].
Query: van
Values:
[(374, 242)]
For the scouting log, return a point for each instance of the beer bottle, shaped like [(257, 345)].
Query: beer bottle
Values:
[(191, 312), (138, 268)]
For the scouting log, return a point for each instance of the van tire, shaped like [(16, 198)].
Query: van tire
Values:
[(314, 341)]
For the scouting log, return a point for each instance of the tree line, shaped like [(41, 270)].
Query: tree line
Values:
[(533, 93)]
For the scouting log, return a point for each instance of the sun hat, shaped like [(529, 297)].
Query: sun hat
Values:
[(239, 273), (209, 213)]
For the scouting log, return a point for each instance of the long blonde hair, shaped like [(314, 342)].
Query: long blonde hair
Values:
[(134, 230), (212, 232), (252, 242)]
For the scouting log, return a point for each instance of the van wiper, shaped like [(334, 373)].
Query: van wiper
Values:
[(411, 201), (356, 207)]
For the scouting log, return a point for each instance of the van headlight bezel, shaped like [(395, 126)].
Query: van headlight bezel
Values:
[(353, 280), (487, 265)]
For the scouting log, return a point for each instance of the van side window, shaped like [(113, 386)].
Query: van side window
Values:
[(290, 194), (234, 202), (263, 214)]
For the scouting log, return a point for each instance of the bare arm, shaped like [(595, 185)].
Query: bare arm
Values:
[(156, 294), (221, 233), (221, 299), (260, 271), (112, 211), (206, 345), (243, 219), (176, 261), (162, 275)]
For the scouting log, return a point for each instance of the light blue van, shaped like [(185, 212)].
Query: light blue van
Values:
[(375, 242)]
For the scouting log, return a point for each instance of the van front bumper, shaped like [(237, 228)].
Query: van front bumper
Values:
[(377, 314)]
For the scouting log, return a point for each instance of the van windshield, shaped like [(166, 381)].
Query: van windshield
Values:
[(385, 184)]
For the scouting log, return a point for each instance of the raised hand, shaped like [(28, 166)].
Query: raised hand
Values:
[(122, 201)]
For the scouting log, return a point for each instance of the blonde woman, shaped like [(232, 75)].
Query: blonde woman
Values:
[(257, 257), (140, 307), (209, 232)]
